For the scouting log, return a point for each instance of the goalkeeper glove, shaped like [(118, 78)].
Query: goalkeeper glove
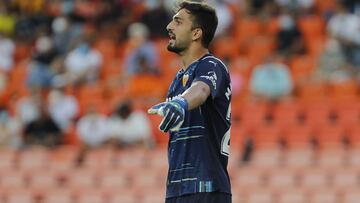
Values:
[(173, 113)]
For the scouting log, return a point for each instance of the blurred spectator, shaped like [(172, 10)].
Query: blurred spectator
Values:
[(289, 38), (64, 33), (301, 6), (63, 108), (332, 65), (83, 63), (7, 20), (43, 131), (129, 127), (156, 19), (225, 19), (271, 81), (345, 27), (28, 108), (93, 129), (10, 128), (7, 49), (143, 57), (41, 74)]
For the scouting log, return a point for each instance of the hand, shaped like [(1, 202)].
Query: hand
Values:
[(173, 113)]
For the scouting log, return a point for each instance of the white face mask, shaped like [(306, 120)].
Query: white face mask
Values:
[(286, 22)]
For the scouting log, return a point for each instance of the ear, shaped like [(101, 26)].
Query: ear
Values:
[(197, 34)]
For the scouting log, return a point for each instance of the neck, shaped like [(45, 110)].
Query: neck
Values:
[(191, 55)]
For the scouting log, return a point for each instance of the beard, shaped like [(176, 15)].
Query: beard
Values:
[(176, 48)]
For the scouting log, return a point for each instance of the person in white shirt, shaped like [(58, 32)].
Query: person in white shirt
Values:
[(92, 129), (83, 63), (7, 49), (129, 127), (63, 108)]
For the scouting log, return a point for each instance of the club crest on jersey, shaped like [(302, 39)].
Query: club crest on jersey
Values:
[(185, 78)]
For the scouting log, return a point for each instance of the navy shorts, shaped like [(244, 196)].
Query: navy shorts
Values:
[(202, 197)]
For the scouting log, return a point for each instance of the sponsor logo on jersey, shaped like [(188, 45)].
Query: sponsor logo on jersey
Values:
[(185, 79), (212, 77)]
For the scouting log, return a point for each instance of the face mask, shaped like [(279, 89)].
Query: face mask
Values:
[(83, 48)]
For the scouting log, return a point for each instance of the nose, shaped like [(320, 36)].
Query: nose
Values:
[(169, 27)]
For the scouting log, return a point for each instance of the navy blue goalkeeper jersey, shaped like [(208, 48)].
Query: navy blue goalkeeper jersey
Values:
[(198, 152)]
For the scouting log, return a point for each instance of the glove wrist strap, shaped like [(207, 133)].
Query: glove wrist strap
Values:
[(182, 102)]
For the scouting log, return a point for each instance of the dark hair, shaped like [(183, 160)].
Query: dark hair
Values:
[(203, 17)]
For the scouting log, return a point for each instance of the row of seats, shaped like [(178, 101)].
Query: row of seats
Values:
[(69, 158), (319, 195)]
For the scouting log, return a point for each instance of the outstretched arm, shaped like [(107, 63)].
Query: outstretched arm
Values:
[(174, 111)]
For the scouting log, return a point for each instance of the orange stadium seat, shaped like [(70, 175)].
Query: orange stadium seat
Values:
[(148, 179), (22, 52), (35, 159), (248, 178), (145, 85), (351, 196), (90, 196), (311, 26), (353, 157), (266, 158), (101, 158), (111, 70), (260, 196), (113, 180), (267, 136), (20, 196), (285, 114), (124, 197), (272, 26), (259, 48), (131, 159), (80, 179), (44, 180), (298, 136), (344, 91), (301, 67), (107, 48), (313, 178), (246, 28), (330, 158), (64, 158), (11, 180), (323, 196), (354, 137), (292, 196), (348, 118), (281, 179), (344, 178), (318, 114), (225, 48), (299, 158), (252, 114), (153, 196), (58, 196), (7, 159), (325, 6), (330, 136)]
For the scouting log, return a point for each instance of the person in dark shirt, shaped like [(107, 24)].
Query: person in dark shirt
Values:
[(43, 131), (197, 111)]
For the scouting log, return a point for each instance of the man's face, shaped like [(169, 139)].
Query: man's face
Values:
[(180, 32)]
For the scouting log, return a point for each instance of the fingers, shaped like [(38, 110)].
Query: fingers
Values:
[(156, 109), (167, 122)]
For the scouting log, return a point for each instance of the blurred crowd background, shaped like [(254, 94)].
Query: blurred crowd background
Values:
[(77, 76)]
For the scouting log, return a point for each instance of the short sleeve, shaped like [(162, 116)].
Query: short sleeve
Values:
[(210, 72)]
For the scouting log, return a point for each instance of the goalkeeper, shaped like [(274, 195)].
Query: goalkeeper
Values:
[(197, 111)]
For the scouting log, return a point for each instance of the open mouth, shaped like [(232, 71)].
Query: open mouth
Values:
[(172, 36)]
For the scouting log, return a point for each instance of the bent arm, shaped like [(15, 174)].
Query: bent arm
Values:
[(196, 94)]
